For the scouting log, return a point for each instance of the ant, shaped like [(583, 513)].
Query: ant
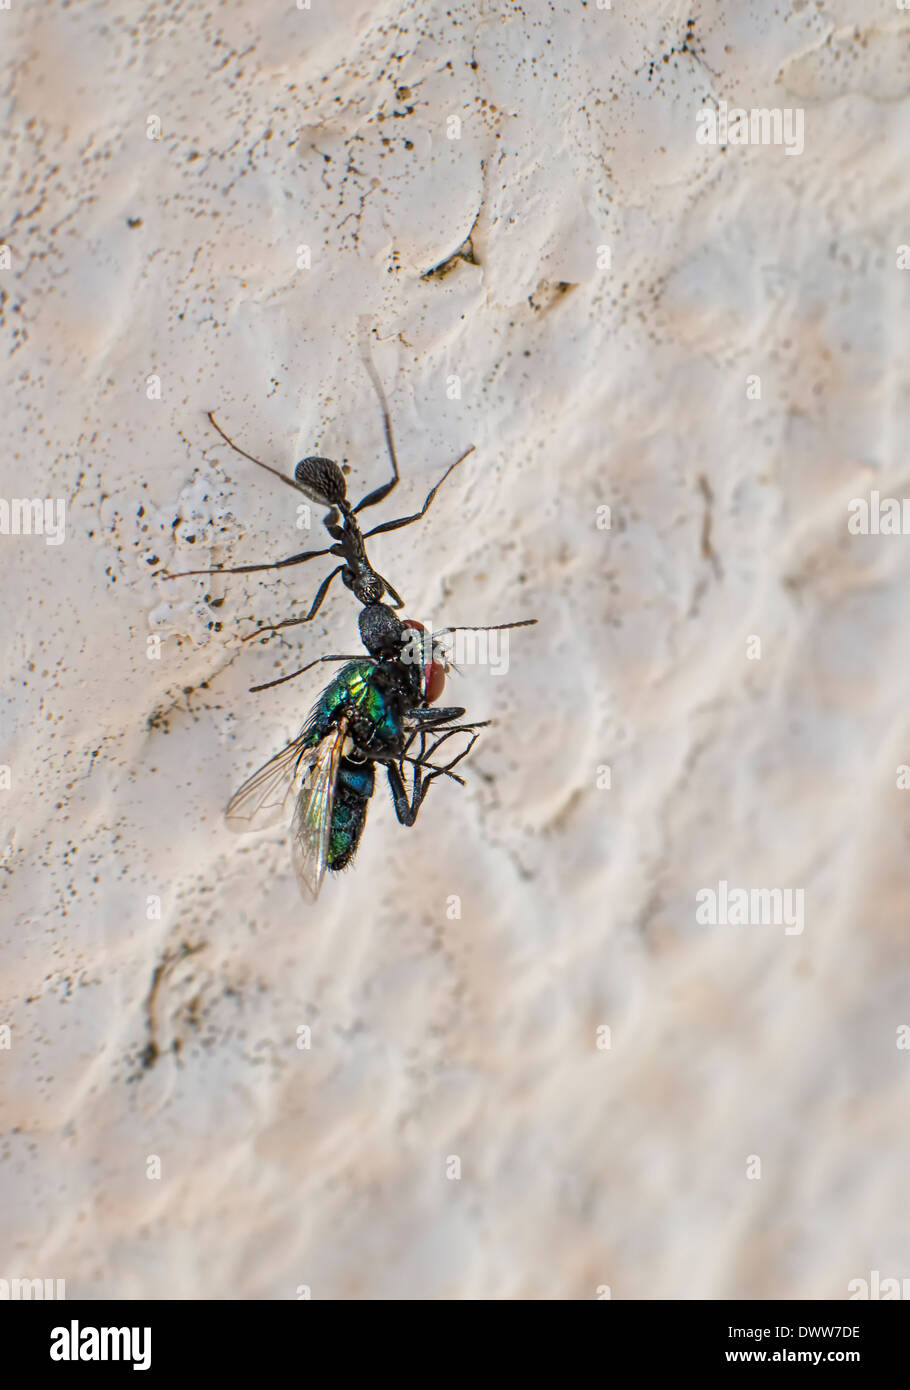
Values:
[(322, 481)]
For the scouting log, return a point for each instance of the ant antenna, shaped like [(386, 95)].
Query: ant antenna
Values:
[(495, 627)]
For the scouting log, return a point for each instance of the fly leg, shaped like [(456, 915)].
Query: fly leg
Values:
[(421, 762), (420, 733), (407, 808)]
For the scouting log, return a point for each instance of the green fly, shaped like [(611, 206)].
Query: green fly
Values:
[(372, 712)]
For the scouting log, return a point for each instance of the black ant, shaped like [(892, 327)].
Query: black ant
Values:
[(322, 481)]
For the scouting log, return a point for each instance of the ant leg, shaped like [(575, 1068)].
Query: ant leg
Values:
[(397, 600), (320, 595), (314, 609), (295, 622), (380, 492), (294, 674), (237, 450), (406, 520), (254, 569)]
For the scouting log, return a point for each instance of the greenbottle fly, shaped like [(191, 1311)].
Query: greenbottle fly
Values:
[(373, 711)]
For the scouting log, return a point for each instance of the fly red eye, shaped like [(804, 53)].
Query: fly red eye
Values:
[(434, 679), (434, 673)]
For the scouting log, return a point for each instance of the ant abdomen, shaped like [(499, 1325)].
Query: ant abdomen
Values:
[(322, 480)]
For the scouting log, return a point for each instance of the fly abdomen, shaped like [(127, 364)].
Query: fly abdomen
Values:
[(353, 790)]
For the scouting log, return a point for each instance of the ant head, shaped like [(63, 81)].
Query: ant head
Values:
[(380, 631), (322, 481)]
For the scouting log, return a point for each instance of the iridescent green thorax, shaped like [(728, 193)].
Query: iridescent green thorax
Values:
[(352, 685), (371, 699), (352, 688)]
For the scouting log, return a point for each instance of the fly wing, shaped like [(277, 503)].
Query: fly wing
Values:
[(312, 822), (263, 797)]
